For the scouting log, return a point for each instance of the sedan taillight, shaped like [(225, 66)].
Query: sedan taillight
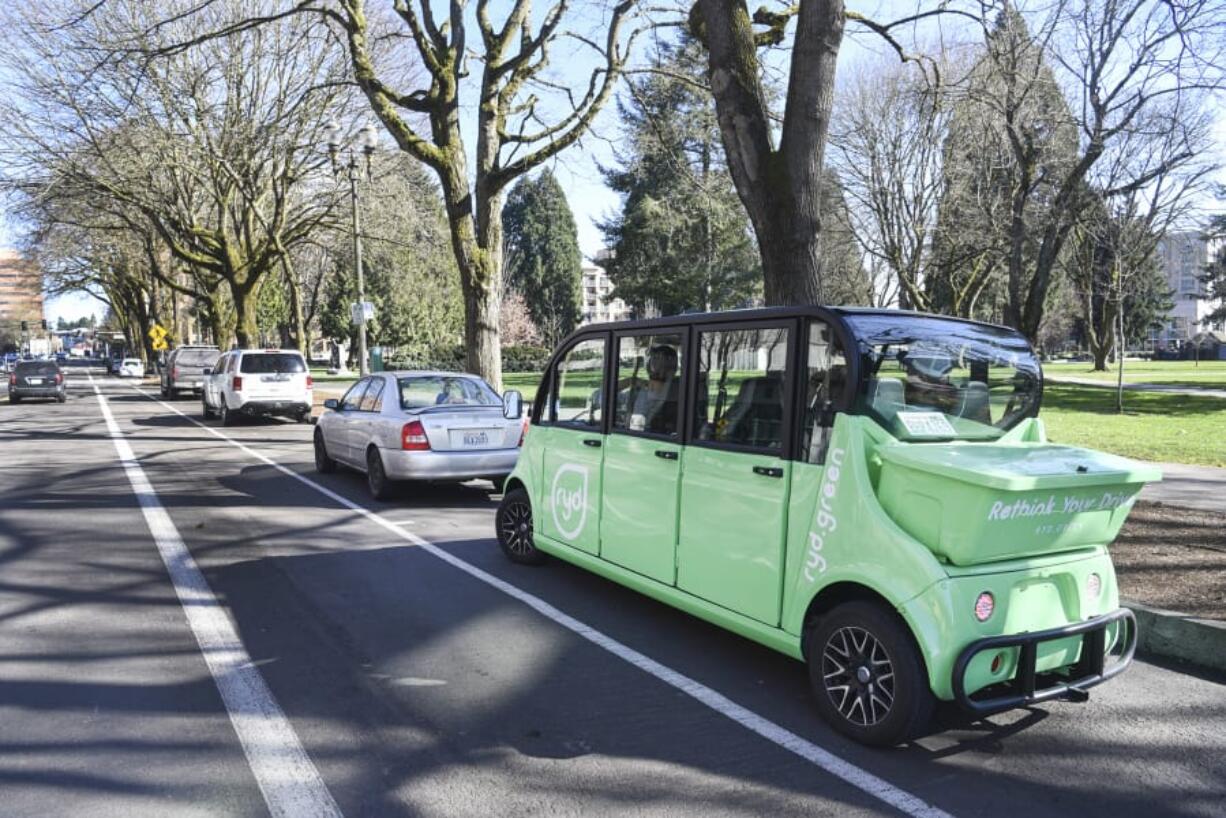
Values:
[(413, 437), (237, 384)]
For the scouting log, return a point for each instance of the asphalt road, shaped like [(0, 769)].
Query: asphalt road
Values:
[(419, 686)]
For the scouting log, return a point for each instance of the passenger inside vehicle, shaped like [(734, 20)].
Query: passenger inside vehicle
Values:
[(651, 405)]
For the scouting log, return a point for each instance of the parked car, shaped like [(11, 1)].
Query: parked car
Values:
[(419, 426), (869, 491), (258, 382), (184, 369), (36, 379), (131, 368)]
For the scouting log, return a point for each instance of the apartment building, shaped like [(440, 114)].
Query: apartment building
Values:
[(21, 291), (599, 305), (1183, 256)]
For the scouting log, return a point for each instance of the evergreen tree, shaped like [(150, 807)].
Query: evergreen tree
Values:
[(542, 261), (682, 241), (1012, 139), (1214, 276)]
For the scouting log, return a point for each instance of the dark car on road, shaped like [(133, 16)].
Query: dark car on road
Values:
[(184, 369), (37, 379)]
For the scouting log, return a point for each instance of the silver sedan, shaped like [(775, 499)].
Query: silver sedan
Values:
[(444, 426)]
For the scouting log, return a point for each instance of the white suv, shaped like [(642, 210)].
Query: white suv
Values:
[(258, 382)]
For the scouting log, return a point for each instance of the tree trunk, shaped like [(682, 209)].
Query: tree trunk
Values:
[(1120, 344), (297, 321), (791, 266), (246, 326), (781, 190)]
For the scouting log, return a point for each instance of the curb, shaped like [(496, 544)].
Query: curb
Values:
[(1200, 642)]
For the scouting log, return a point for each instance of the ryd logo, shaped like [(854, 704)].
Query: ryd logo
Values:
[(570, 500)]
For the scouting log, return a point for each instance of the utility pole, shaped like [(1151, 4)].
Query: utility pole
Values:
[(363, 360), (369, 141)]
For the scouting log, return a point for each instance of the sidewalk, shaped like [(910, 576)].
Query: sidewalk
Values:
[(1200, 487), (1140, 387)]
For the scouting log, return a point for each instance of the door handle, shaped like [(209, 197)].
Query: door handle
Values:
[(665, 454), (768, 471), (595, 444)]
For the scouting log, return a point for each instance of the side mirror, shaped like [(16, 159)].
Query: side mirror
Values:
[(332, 403), (208, 370), (512, 405)]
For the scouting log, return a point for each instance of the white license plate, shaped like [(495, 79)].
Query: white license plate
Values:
[(470, 439), (34, 381), (198, 384)]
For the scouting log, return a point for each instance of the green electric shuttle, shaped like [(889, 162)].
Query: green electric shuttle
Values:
[(869, 491)]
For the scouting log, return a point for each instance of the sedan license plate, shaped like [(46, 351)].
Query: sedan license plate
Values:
[(470, 439), (34, 381)]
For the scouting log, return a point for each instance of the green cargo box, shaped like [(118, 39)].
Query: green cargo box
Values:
[(972, 503)]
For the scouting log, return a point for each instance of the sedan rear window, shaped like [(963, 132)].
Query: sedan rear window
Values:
[(36, 368), (424, 391), (266, 363)]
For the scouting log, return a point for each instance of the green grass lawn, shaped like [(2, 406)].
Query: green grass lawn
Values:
[(1208, 374), (1155, 426)]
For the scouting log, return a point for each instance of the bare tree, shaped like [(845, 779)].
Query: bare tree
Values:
[(887, 136), (1136, 75), (527, 109), (776, 159), (216, 147)]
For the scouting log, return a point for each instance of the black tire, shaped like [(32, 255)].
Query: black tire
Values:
[(206, 410), (867, 675), (14, 399), (514, 526), (376, 478), (228, 418), (304, 417), (324, 464), (62, 398), (165, 392)]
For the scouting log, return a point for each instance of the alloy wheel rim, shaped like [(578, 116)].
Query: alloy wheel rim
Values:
[(858, 676), (517, 528)]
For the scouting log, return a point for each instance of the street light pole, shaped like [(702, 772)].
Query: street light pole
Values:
[(363, 364), (369, 141)]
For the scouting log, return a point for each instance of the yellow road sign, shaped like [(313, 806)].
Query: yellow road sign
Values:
[(158, 335)]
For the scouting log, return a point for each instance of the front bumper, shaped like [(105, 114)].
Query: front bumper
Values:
[(432, 465), (1090, 669)]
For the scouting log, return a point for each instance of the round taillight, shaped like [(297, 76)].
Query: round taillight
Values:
[(1094, 586), (984, 606)]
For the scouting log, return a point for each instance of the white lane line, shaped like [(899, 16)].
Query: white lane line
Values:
[(858, 777), (289, 781)]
